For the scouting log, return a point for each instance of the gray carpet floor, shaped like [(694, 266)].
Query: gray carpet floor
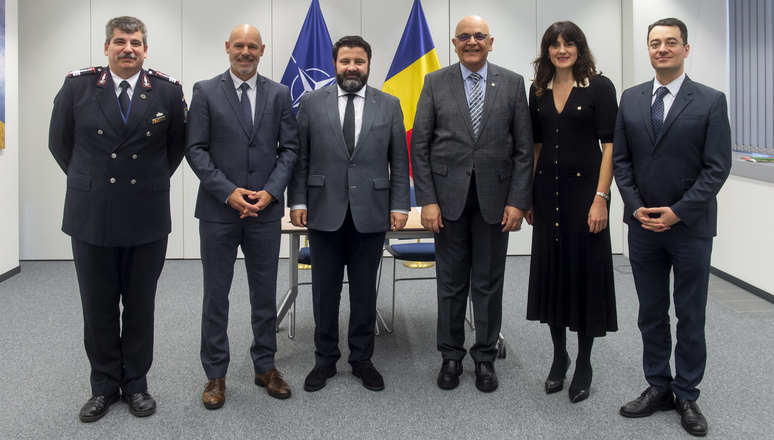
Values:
[(45, 370)]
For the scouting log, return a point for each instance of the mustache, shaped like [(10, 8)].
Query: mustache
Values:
[(127, 55)]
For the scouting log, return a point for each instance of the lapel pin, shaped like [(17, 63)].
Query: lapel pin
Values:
[(142, 96)]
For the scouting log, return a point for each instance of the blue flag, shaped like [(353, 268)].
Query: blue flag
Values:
[(311, 65)]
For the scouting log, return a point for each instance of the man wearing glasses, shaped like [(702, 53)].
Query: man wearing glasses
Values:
[(472, 162)]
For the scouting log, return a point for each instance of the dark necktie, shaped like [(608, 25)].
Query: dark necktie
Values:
[(246, 109), (123, 99), (657, 111), (349, 123), (476, 102)]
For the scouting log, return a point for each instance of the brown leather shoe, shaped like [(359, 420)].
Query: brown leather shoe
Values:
[(214, 395), (275, 385)]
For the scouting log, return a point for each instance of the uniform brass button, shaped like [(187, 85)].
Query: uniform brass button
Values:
[(99, 131), (114, 155), (112, 180), (133, 181), (578, 174), (148, 134), (556, 224)]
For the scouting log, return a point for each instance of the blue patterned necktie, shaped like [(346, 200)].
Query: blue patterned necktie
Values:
[(657, 111), (246, 109), (476, 103)]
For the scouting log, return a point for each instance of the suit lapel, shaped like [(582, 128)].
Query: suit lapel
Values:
[(683, 98), (645, 98), (369, 113), (108, 102), (493, 77), (332, 108), (229, 89), (260, 103), (458, 90)]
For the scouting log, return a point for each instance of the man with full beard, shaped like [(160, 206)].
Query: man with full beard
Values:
[(350, 185), (242, 145)]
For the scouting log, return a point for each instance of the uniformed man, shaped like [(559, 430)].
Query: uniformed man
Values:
[(119, 134)]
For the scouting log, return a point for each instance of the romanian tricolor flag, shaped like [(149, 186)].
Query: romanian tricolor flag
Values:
[(415, 57)]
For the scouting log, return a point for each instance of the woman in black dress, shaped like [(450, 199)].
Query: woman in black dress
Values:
[(573, 110)]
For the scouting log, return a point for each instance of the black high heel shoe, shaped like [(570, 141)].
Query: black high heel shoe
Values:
[(554, 386), (579, 394)]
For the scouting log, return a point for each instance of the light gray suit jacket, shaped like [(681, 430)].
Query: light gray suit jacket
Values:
[(374, 181), (225, 154), (444, 149)]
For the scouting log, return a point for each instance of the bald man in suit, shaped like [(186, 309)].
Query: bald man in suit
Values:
[(472, 156)]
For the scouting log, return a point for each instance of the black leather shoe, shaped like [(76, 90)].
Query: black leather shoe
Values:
[(650, 401), (316, 378), (140, 404), (96, 407), (691, 418), (449, 376), (554, 386), (366, 371), (486, 378)]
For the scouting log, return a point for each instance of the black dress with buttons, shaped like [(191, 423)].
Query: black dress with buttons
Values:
[(571, 272)]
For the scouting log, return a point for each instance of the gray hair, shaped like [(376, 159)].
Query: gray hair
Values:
[(126, 24)]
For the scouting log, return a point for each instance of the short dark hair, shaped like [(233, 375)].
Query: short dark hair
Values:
[(583, 69), (351, 41), (126, 24), (670, 22)]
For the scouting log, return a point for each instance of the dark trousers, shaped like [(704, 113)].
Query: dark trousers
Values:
[(330, 252), (119, 345), (470, 258), (653, 256), (260, 244)]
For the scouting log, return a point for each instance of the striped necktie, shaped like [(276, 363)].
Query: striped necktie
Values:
[(476, 103)]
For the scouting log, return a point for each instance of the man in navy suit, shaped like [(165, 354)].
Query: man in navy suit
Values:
[(671, 156), (350, 186), (242, 144), (118, 134)]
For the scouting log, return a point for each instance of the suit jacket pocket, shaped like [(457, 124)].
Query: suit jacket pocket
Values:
[(439, 168), (160, 183), (381, 183), (79, 182), (505, 173), (315, 180)]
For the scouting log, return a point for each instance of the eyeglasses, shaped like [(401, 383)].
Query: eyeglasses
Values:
[(655, 45), (463, 38)]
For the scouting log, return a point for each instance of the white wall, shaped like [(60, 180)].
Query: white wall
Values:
[(9, 157), (186, 40)]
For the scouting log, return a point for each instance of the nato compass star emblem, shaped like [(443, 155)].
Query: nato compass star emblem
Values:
[(308, 80)]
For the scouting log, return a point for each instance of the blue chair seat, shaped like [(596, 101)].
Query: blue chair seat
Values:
[(304, 256), (414, 251)]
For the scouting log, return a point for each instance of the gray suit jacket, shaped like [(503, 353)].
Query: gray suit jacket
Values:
[(685, 167), (374, 181), (444, 150), (226, 155)]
